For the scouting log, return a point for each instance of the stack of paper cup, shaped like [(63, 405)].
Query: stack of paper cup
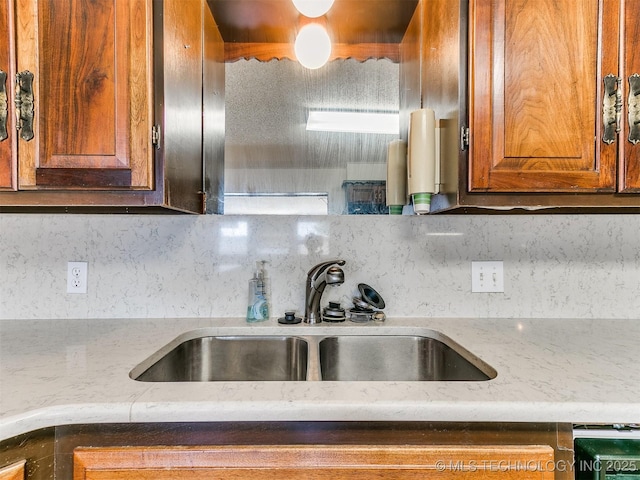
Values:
[(396, 176), (421, 159)]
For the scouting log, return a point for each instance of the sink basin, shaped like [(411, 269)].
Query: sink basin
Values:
[(194, 357), (398, 358), (230, 358)]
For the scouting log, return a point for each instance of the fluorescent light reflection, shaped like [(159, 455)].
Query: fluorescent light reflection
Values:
[(237, 235), (354, 122), (444, 234), (239, 230), (276, 204)]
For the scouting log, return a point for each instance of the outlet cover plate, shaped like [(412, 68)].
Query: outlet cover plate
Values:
[(487, 277), (77, 277)]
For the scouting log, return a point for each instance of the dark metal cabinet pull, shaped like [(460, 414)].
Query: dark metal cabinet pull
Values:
[(4, 106), (633, 104), (611, 108), (24, 104)]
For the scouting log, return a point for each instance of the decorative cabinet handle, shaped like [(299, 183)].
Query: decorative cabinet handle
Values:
[(611, 108), (4, 106), (633, 102), (24, 104)]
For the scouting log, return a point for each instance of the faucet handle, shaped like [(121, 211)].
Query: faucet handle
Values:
[(334, 275), (321, 267)]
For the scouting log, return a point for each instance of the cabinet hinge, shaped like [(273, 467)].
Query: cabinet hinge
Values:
[(464, 137), (24, 104), (155, 136), (203, 199), (611, 108), (633, 102), (4, 107)]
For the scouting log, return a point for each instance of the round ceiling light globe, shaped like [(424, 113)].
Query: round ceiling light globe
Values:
[(313, 8), (313, 46)]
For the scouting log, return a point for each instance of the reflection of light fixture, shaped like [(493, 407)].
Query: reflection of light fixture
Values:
[(313, 46), (356, 122), (313, 8)]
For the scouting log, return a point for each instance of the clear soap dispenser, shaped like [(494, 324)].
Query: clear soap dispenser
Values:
[(258, 304)]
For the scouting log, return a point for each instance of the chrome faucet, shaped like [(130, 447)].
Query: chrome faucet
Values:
[(323, 274)]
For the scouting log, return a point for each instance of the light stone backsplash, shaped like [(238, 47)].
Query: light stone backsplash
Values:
[(143, 266)]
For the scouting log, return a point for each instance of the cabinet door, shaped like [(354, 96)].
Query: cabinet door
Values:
[(537, 69), (15, 471), (304, 462), (630, 138), (7, 137), (90, 62)]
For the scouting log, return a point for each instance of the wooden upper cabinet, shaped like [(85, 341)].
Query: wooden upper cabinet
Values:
[(107, 105), (91, 94), (7, 137), (536, 95), (629, 180)]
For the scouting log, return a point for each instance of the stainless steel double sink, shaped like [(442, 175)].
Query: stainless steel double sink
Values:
[(431, 356)]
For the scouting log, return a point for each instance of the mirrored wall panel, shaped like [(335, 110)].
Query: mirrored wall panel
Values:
[(278, 163)]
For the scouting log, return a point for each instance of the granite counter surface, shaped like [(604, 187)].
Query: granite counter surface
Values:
[(58, 372)]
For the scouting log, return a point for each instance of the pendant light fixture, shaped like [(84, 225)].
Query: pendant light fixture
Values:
[(312, 46), (313, 8)]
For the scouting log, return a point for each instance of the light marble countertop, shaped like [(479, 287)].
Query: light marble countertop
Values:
[(57, 372)]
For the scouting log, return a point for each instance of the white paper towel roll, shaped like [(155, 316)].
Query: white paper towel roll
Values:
[(421, 158), (396, 176)]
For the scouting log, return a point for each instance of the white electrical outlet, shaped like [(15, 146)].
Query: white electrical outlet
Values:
[(487, 277), (77, 277)]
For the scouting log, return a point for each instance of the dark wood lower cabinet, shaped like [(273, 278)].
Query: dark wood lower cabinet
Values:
[(15, 471), (316, 462), (304, 450)]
